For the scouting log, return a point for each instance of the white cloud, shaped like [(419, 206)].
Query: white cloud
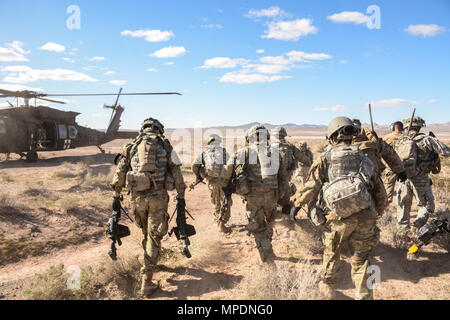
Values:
[(25, 74), (18, 87), (271, 12), (96, 59), (118, 82), (223, 63), (343, 61), (274, 60), (268, 68), (290, 30), (300, 56), (169, 63), (152, 70), (13, 52), (110, 73), (149, 35), (169, 52), (260, 51), (242, 77), (52, 46), (211, 26), (397, 102), (68, 59), (424, 30), (349, 17)]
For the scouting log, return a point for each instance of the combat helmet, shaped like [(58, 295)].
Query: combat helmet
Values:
[(214, 138), (417, 122), (278, 133), (344, 127), (357, 124), (152, 123), (255, 132)]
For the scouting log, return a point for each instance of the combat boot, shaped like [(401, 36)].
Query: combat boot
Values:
[(148, 287), (221, 227), (327, 291)]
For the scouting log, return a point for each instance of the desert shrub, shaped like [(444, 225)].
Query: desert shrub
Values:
[(5, 177), (6, 201), (308, 238), (68, 204), (50, 285), (298, 282), (392, 235), (98, 180)]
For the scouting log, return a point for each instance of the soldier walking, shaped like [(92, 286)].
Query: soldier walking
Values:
[(150, 167)]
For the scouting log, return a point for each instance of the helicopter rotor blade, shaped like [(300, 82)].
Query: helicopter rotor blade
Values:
[(50, 100), (112, 94)]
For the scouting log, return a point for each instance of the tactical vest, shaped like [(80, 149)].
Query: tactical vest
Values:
[(346, 191), (286, 151), (149, 165), (261, 167), (214, 159)]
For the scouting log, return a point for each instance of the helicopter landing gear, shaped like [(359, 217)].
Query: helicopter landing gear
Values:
[(31, 156), (101, 149)]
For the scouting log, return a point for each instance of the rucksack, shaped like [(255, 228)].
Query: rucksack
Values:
[(214, 159), (349, 181), (407, 150)]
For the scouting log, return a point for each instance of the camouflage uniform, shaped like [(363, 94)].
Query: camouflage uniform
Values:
[(390, 177), (290, 157), (150, 206), (215, 184), (256, 171), (377, 149), (419, 186), (359, 229)]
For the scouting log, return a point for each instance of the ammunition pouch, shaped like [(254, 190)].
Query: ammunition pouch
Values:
[(241, 184), (142, 181)]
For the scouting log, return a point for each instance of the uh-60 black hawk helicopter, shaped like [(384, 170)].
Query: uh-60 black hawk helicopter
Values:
[(27, 129)]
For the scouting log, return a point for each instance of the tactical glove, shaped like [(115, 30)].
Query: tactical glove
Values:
[(402, 176), (116, 204), (294, 212)]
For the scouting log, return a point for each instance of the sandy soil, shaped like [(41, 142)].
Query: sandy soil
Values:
[(73, 235)]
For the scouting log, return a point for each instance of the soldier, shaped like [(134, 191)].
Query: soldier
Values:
[(377, 149), (150, 168), (290, 157), (392, 139), (210, 165), (343, 178), (256, 171), (302, 172), (420, 154)]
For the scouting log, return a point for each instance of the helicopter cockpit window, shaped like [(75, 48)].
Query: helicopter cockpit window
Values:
[(2, 127), (72, 132), (62, 130)]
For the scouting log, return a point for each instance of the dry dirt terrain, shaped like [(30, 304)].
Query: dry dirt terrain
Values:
[(53, 214)]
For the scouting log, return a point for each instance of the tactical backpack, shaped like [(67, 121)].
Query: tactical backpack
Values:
[(349, 181), (214, 160), (406, 149), (149, 164), (287, 153)]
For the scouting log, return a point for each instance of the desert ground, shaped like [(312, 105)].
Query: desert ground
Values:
[(53, 215)]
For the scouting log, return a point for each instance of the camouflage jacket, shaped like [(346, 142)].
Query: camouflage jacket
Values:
[(318, 176), (173, 162), (377, 149), (199, 160), (393, 138)]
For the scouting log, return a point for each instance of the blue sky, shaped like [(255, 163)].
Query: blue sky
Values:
[(234, 61)]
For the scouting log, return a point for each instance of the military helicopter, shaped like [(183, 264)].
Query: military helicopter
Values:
[(27, 129)]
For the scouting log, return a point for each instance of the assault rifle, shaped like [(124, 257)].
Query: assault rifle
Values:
[(116, 231), (195, 183), (410, 122), (182, 230), (427, 233)]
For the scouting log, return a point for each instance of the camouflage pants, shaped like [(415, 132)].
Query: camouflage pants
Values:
[(150, 213), (390, 178), (418, 187), (362, 235), (301, 174), (260, 212), (217, 197)]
